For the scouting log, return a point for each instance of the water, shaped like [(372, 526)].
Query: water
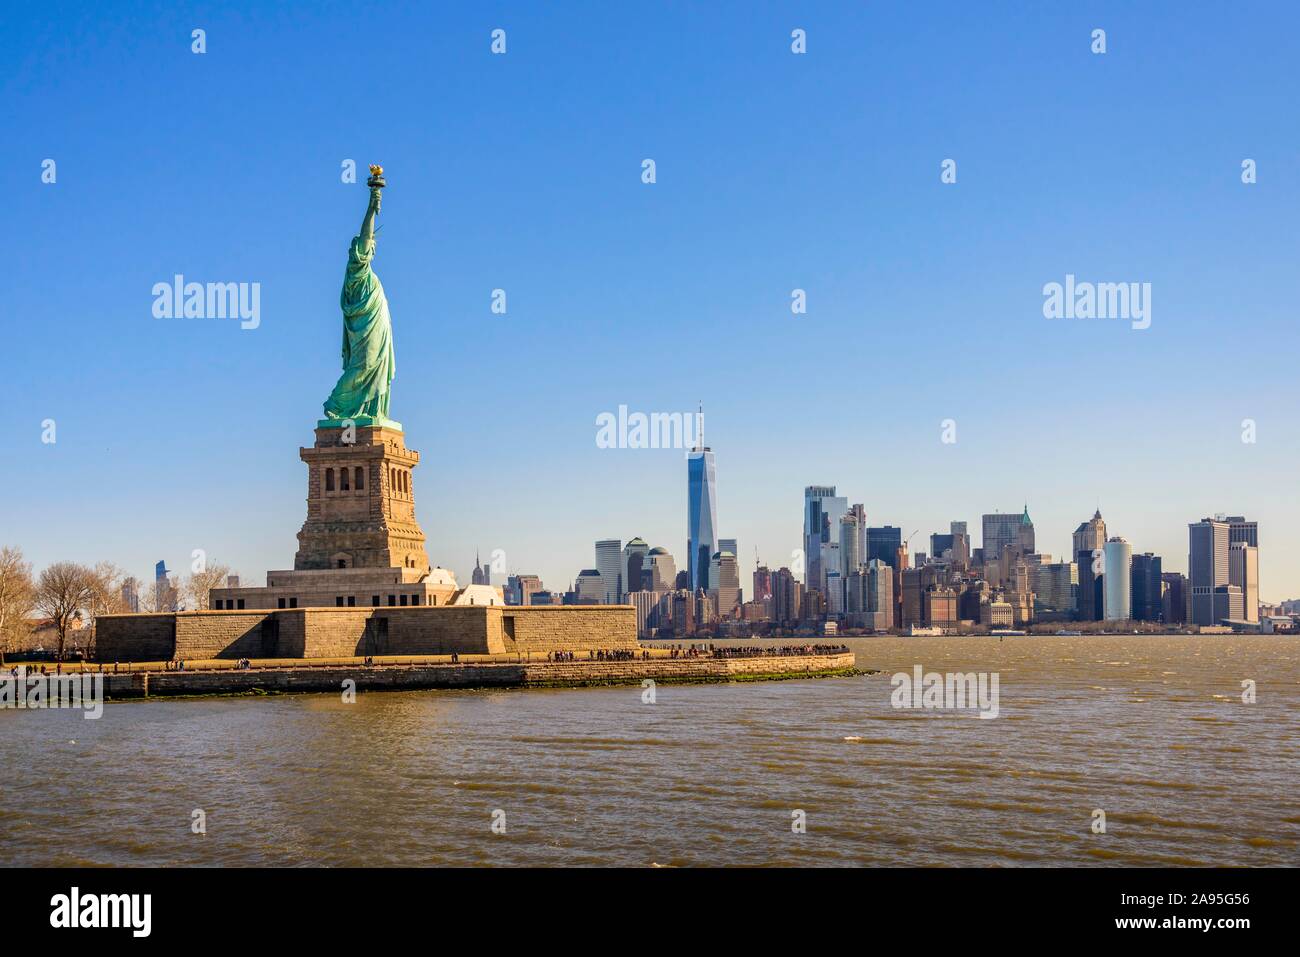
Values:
[(1151, 730)]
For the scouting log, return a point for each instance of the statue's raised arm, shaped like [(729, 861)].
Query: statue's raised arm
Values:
[(361, 394), (376, 184)]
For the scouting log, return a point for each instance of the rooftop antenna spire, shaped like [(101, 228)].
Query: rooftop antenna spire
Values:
[(699, 421)]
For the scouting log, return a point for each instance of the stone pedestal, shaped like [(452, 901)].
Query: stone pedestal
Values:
[(361, 503)]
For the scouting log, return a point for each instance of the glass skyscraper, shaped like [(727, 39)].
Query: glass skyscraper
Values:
[(701, 515), (882, 544), (822, 511)]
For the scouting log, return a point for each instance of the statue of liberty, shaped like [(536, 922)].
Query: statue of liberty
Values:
[(361, 394)]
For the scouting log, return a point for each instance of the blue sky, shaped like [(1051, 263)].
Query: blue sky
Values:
[(775, 171)]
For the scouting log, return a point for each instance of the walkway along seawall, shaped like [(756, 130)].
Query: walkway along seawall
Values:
[(544, 674)]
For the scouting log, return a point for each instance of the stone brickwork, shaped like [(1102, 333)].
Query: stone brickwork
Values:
[(333, 633), (135, 637), (226, 634), (345, 632), (373, 526), (542, 628), (476, 675)]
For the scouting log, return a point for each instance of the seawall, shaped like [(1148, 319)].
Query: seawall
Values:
[(398, 677)]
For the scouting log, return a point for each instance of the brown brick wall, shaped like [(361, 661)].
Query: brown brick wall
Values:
[(223, 634), (577, 628), (410, 631), (135, 637), (341, 632)]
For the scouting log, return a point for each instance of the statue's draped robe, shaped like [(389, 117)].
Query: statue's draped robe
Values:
[(368, 364)]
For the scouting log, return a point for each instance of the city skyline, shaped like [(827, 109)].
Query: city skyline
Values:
[(511, 190), (556, 580)]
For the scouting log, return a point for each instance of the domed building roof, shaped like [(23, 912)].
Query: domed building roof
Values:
[(658, 550)]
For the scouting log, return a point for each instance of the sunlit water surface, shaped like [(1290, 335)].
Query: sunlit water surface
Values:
[(1152, 731)]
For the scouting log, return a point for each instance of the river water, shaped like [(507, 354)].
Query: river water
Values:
[(1151, 731)]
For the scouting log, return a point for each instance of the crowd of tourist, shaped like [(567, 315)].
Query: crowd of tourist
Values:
[(783, 651)]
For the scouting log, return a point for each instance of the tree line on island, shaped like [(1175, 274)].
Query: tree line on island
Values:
[(67, 597)]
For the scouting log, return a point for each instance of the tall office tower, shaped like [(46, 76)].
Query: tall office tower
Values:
[(1145, 588), (787, 597), (701, 513), (960, 543), (813, 607), (1055, 585), (882, 543), (822, 510), (646, 604), (1174, 598), (608, 563), (684, 611), (880, 592), (940, 607), (705, 611), (1091, 563), (1091, 534), (972, 597), (859, 512), (1243, 571), (855, 594), (762, 583), (900, 566), (850, 532), (1229, 604), (1207, 566), (590, 587), (939, 545), (725, 593), (729, 545), (834, 593), (1002, 529), (634, 563), (1240, 530), (1025, 533), (166, 597), (481, 575), (663, 570), (1020, 590), (131, 594), (1091, 537), (913, 607), (1118, 602)]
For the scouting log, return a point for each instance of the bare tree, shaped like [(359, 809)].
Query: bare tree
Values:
[(198, 586), (17, 594), (106, 599), (63, 591), (106, 594)]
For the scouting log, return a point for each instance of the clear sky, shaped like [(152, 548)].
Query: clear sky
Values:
[(775, 171)]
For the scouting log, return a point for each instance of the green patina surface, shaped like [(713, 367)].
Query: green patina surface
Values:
[(362, 392)]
